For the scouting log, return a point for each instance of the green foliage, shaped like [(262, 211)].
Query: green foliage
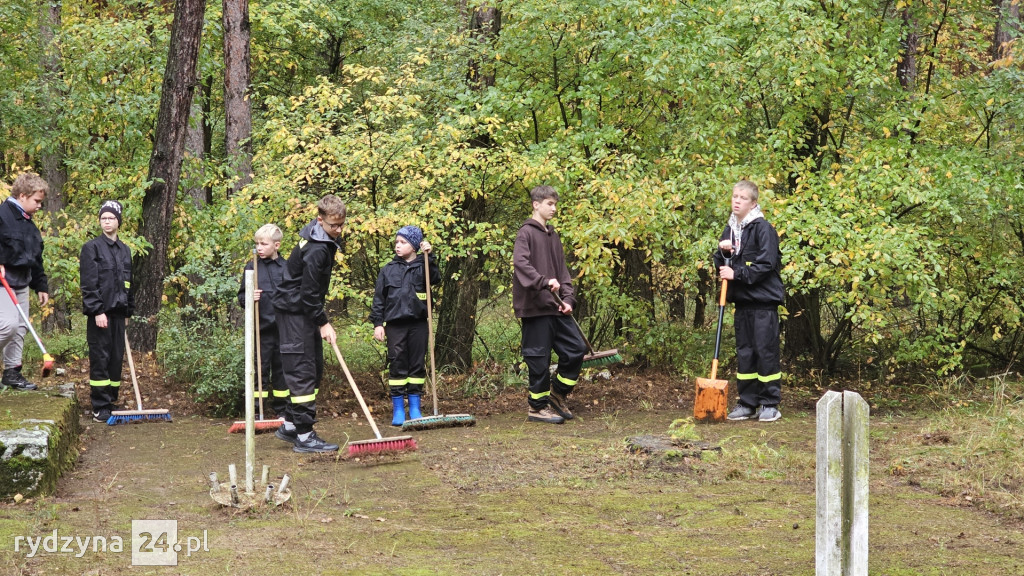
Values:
[(895, 194), (216, 376)]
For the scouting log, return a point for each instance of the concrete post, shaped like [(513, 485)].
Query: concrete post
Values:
[(841, 536)]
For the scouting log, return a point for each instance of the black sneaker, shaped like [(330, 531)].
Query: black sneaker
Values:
[(313, 444), (13, 378), (289, 436), (560, 404), (101, 416)]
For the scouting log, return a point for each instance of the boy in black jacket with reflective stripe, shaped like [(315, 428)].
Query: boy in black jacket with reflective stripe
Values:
[(399, 313), (300, 309), (755, 288), (105, 272), (268, 276)]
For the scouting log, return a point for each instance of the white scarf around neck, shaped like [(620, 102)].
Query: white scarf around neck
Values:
[(737, 227)]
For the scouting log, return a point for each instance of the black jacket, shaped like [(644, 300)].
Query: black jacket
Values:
[(401, 291), (105, 272), (757, 283), (307, 275), (21, 249), (537, 258), (270, 275)]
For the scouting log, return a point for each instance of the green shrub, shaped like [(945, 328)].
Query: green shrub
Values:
[(206, 354)]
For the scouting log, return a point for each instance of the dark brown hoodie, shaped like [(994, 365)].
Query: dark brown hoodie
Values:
[(537, 258)]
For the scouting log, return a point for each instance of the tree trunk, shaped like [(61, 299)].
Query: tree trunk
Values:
[(165, 168), (906, 68), (803, 327), (53, 160), (195, 150), (460, 287), (1007, 27), (237, 108)]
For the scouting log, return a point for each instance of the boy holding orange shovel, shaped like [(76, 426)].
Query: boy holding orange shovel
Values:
[(755, 288)]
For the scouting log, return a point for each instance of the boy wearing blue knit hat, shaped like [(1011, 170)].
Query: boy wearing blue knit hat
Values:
[(399, 315)]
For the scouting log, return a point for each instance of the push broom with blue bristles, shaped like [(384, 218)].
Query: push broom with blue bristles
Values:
[(139, 415)]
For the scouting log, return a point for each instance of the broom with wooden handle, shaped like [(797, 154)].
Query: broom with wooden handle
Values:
[(259, 425), (139, 414), (380, 444), (437, 420)]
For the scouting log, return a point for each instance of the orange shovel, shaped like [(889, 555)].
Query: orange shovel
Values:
[(711, 401)]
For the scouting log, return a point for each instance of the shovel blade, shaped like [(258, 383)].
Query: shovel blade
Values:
[(711, 402)]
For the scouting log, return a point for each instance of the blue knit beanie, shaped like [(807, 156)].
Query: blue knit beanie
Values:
[(412, 234)]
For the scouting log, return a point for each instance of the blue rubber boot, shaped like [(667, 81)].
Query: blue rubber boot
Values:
[(414, 406), (398, 402)]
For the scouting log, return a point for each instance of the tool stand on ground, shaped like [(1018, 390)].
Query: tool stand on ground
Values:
[(228, 494)]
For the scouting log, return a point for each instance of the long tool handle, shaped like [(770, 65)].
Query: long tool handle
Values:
[(721, 316), (256, 303), (355, 389), (21, 313), (430, 332), (575, 321), (131, 368)]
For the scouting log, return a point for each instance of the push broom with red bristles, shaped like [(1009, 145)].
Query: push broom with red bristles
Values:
[(379, 445), (47, 359), (260, 425)]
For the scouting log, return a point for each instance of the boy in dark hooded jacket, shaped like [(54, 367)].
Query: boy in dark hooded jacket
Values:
[(751, 246), (299, 306), (540, 273), (399, 314)]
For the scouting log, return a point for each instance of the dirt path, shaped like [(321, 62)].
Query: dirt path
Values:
[(504, 497)]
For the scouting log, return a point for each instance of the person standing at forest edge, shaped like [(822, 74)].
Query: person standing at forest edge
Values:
[(755, 288), (269, 274), (105, 271), (540, 272), (299, 305), (21, 265), (399, 313)]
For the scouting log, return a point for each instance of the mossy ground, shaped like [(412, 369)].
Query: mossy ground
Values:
[(505, 497)]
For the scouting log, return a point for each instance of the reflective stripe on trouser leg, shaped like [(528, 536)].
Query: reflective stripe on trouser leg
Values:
[(100, 395), (569, 346), (407, 347), (538, 336), (759, 373), (299, 360), (273, 376)]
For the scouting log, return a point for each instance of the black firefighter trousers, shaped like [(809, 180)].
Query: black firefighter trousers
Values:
[(302, 362), (106, 360), (541, 334)]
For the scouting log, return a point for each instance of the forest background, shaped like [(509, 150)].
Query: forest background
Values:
[(886, 137)]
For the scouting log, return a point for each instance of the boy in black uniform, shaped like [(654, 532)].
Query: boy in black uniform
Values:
[(302, 322), (399, 312), (755, 288), (540, 271), (21, 265), (105, 271), (268, 277)]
